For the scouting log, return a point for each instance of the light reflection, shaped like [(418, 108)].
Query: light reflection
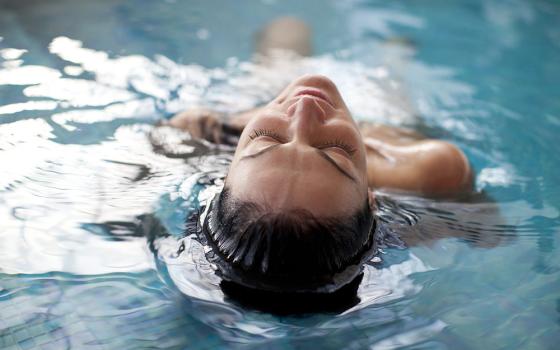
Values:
[(78, 92), (27, 75), (499, 176), (28, 106), (11, 54), (383, 22), (411, 337), (73, 70), (240, 86), (381, 285), (72, 185), (131, 109), (370, 92), (506, 18)]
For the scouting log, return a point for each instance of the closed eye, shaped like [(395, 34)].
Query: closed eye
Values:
[(348, 149), (256, 133), (321, 153), (337, 143)]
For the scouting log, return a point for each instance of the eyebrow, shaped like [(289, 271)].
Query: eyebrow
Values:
[(319, 151)]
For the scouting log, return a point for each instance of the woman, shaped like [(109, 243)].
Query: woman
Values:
[(296, 211)]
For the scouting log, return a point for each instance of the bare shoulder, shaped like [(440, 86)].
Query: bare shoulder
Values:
[(389, 134), (404, 161), (444, 167)]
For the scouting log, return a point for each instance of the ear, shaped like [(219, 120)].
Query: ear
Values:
[(371, 199)]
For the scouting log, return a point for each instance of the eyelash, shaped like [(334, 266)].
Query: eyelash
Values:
[(338, 143), (265, 132), (335, 143)]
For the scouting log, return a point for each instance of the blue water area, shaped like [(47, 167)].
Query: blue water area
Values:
[(92, 216)]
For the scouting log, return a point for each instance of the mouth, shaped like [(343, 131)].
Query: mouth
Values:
[(315, 93)]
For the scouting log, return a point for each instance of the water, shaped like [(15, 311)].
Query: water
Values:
[(92, 218)]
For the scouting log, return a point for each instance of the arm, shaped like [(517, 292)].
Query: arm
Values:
[(211, 126)]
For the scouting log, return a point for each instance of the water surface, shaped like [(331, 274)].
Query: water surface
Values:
[(92, 217)]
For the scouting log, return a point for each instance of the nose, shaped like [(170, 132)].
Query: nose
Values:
[(307, 116)]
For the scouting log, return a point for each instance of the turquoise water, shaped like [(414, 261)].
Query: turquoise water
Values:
[(91, 217)]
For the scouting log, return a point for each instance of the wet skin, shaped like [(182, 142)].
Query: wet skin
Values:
[(304, 150)]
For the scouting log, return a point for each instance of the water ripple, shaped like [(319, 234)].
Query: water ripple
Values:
[(93, 198)]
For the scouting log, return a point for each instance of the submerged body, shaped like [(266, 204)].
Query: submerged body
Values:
[(296, 213), (297, 209)]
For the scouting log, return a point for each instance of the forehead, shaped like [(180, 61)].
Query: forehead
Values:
[(283, 180)]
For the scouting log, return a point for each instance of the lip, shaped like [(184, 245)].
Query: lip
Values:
[(315, 93)]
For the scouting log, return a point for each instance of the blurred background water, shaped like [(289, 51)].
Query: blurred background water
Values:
[(91, 217)]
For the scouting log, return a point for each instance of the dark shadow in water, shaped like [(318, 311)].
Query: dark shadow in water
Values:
[(144, 172), (115, 230), (558, 309), (284, 304), (146, 225), (474, 219)]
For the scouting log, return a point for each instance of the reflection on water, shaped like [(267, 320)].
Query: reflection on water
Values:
[(93, 197)]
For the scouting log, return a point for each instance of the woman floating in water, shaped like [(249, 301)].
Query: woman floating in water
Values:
[(297, 210)]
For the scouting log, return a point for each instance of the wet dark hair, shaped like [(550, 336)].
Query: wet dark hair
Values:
[(291, 251)]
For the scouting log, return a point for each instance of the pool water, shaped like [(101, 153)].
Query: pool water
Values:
[(92, 251)]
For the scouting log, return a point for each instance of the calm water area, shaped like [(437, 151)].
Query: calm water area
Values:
[(92, 246)]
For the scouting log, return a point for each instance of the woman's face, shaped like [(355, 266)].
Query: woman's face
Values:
[(302, 151)]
